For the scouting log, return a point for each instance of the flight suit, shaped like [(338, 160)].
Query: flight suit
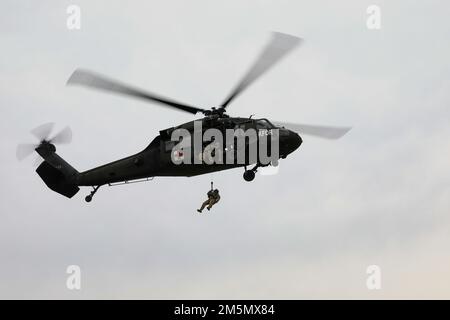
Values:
[(213, 198)]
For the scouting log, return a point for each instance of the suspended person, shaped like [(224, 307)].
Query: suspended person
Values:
[(213, 198)]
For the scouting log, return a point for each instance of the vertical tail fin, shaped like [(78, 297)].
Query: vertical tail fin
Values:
[(57, 174)]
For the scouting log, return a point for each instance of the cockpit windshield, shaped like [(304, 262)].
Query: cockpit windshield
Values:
[(264, 124)]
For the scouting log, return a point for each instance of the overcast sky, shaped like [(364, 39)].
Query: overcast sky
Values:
[(380, 195)]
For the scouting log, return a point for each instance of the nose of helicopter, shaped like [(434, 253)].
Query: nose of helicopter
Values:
[(290, 141), (294, 140)]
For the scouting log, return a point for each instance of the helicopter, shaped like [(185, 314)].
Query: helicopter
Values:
[(156, 160)]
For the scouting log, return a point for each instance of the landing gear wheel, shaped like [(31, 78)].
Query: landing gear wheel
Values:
[(249, 175), (89, 197)]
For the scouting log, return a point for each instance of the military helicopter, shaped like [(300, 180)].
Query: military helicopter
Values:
[(156, 159)]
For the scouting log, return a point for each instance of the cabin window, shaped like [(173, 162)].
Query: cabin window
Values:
[(244, 126)]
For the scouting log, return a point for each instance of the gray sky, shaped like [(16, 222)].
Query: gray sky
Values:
[(380, 195)]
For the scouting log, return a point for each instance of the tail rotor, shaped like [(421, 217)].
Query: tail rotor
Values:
[(43, 134)]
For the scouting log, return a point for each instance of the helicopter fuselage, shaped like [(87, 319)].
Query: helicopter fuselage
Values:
[(157, 159)]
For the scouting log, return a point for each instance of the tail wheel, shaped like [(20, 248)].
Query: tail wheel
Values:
[(89, 196)]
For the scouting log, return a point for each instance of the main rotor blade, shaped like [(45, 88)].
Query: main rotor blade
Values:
[(62, 137), (43, 131), (326, 132), (277, 48), (24, 150), (89, 79)]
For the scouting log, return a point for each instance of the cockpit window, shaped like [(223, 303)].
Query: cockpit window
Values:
[(264, 124), (244, 125)]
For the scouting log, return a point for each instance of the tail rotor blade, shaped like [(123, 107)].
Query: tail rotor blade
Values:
[(37, 161), (62, 137), (43, 131), (24, 150)]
